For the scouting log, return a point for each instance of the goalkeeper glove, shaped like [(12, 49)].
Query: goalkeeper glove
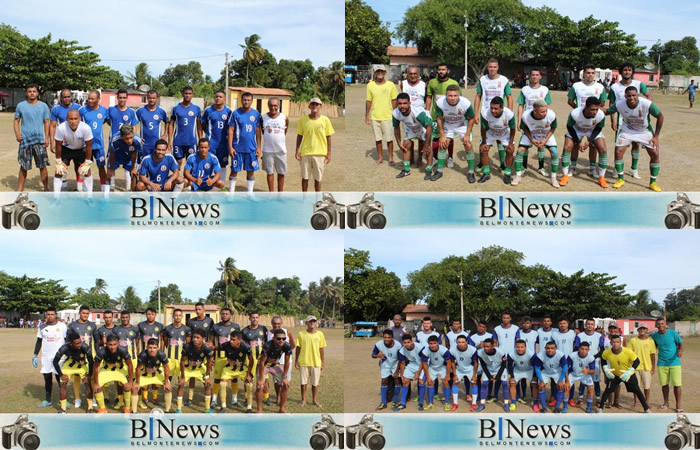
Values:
[(35, 362), (84, 168), (627, 374), (61, 168), (608, 372)]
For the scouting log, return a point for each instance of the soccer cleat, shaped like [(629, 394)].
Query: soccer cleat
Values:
[(269, 403), (536, 407), (481, 407), (212, 404), (102, 411), (420, 407), (654, 187), (127, 411), (450, 163), (572, 402), (429, 406), (78, 403), (564, 180), (222, 410), (472, 408), (436, 176), (119, 405), (557, 410), (237, 404), (503, 168), (178, 411), (553, 402), (506, 179), (542, 171), (62, 411), (471, 178), (479, 167), (579, 404), (142, 404), (44, 404), (490, 399), (602, 182), (592, 172), (454, 407), (381, 406), (635, 173), (91, 411), (516, 180), (415, 399), (394, 405), (428, 176), (647, 411), (572, 171), (506, 407), (187, 402), (448, 407), (399, 407), (542, 410), (619, 184), (589, 411), (156, 402), (512, 407), (403, 173), (522, 401), (249, 411), (209, 411), (565, 409), (484, 178)]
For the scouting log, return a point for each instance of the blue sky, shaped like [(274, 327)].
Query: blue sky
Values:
[(647, 19), (656, 260), (186, 258), (148, 30)]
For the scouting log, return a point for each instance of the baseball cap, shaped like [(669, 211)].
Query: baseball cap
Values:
[(379, 67), (316, 100), (310, 318)]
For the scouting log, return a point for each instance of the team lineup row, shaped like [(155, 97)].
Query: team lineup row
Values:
[(135, 357), (436, 115), (241, 136), (511, 357)]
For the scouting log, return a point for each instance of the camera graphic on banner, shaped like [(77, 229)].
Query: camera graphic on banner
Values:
[(21, 213), (22, 434), (681, 213), (365, 434), (682, 433), (328, 213)]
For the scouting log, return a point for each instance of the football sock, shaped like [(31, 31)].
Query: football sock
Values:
[(620, 167), (501, 153), (635, 159), (442, 156), (470, 161), (540, 156), (519, 161), (100, 397), (555, 167), (654, 168), (168, 400), (383, 391)]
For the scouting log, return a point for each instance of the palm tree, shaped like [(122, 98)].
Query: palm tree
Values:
[(328, 291), (253, 53), (129, 299), (140, 76), (100, 287), (339, 287), (229, 275), (334, 78)]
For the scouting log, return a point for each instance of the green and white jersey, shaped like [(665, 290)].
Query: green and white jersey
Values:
[(539, 128), (454, 116), (437, 90), (635, 120), (580, 92), (416, 120), (499, 126), (489, 89), (528, 96), (417, 92), (582, 124), (617, 90)]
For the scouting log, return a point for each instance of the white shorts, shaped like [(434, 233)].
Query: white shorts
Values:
[(625, 138), (312, 166), (460, 131), (596, 375), (469, 374), (587, 135), (525, 141), (409, 134), (586, 380), (523, 375), (548, 376), (47, 365), (387, 369), (274, 162), (491, 138), (310, 373), (434, 374), (410, 371)]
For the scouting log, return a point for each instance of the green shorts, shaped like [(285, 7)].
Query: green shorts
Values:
[(669, 373)]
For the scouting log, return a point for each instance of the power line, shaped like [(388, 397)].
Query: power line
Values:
[(162, 59)]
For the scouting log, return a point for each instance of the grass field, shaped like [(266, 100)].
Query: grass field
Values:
[(362, 384), (677, 145), (333, 176), (22, 387)]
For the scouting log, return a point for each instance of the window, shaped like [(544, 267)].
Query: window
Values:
[(259, 104), (97, 315), (143, 100), (636, 325), (651, 77)]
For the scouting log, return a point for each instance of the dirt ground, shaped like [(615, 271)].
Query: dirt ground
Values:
[(678, 154), (333, 176), (362, 376)]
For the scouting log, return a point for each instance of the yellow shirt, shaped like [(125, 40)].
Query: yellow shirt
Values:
[(315, 133), (620, 362), (310, 345), (643, 348), (381, 96)]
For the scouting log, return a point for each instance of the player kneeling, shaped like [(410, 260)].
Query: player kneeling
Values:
[(112, 365), (77, 364), (160, 171), (581, 369), (152, 370), (202, 170), (493, 363), (269, 363), (520, 367), (193, 367), (239, 364), (538, 125)]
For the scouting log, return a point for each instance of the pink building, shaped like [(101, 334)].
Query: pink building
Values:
[(648, 77), (136, 99), (629, 324)]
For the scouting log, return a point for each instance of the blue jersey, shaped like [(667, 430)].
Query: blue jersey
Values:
[(150, 126), (577, 364), (464, 360), (543, 337), (186, 123), (59, 113), (436, 359), (158, 171), (118, 118), (530, 339), (520, 363), (422, 337), (411, 357), (123, 151), (245, 125), (95, 118), (477, 338), (391, 354), (552, 366), (215, 124), (505, 337), (491, 363), (565, 341), (451, 338), (203, 168), (595, 341)]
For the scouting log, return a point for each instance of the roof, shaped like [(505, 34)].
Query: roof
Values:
[(638, 318), (263, 91), (130, 91), (395, 50), (416, 309), (191, 307)]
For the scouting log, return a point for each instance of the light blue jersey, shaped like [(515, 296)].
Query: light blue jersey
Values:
[(186, 124), (543, 336), (493, 363), (245, 124), (150, 126), (595, 341), (411, 359), (390, 362), (577, 364), (478, 339), (521, 363), (530, 339), (565, 341), (422, 337), (464, 361), (451, 338), (548, 368), (506, 337), (437, 360)]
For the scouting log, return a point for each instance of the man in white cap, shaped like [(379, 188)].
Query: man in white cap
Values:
[(313, 147), (381, 101), (309, 358)]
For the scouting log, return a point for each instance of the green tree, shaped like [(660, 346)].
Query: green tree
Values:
[(229, 274), (100, 286), (129, 300), (683, 305), (169, 295), (253, 52), (175, 78), (643, 304), (677, 56), (94, 300), (140, 76), (366, 37), (332, 82), (111, 79), (28, 294)]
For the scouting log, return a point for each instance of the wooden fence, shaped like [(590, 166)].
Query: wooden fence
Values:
[(301, 109)]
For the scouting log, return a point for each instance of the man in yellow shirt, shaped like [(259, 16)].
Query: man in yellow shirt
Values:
[(643, 346), (313, 144), (381, 101), (619, 364), (309, 358)]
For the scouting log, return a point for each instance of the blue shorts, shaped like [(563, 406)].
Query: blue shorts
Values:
[(244, 161), (98, 154), (222, 156), (121, 162), (183, 151), (202, 187)]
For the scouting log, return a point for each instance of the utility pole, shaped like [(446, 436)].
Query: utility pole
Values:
[(466, 60), (226, 78), (159, 314), (461, 299)]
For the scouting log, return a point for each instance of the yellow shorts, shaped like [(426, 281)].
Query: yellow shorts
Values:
[(231, 373), (174, 365), (77, 371), (156, 379), (669, 373), (112, 376), (196, 373), (219, 364)]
